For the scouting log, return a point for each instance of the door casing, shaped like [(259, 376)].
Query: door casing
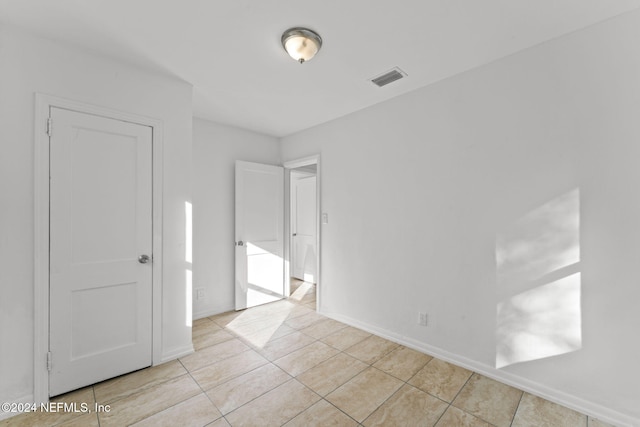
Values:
[(288, 166), (43, 103)]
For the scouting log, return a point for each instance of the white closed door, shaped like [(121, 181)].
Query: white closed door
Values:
[(259, 216), (303, 228), (100, 236)]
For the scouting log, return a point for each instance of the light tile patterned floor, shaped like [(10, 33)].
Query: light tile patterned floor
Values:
[(284, 364)]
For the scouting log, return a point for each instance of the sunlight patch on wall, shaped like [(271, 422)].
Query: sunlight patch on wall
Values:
[(538, 275), (543, 241), (539, 323), (188, 232)]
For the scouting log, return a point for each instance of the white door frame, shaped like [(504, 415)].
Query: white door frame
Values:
[(43, 103), (288, 166), (295, 178)]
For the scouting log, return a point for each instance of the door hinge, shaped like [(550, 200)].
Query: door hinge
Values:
[(49, 362), (49, 126)]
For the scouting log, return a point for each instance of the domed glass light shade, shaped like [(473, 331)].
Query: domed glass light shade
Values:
[(301, 43)]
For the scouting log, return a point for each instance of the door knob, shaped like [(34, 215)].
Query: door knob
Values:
[(240, 243), (143, 259), (295, 234)]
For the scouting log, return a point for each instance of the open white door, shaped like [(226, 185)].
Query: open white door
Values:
[(303, 228), (100, 249), (259, 232)]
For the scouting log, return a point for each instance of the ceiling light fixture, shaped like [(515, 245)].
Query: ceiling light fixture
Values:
[(301, 43)]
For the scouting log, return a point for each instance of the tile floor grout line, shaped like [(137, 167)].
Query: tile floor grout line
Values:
[(212, 402), (460, 391), (412, 386), (350, 378), (441, 415), (461, 388), (354, 420), (155, 385), (201, 389), (244, 373), (404, 381), (237, 335), (95, 401), (284, 355), (267, 391), (418, 371), (269, 362), (272, 362), (344, 350), (211, 345), (297, 349), (381, 404), (513, 418), (219, 360), (314, 403), (358, 373), (143, 388)]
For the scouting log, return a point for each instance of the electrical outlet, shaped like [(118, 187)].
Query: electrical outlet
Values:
[(200, 294), (422, 319)]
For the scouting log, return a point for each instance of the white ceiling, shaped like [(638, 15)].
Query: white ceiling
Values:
[(230, 49)]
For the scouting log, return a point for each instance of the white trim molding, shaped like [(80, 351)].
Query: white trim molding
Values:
[(305, 161), (206, 313), (591, 409), (28, 399), (43, 104), (176, 353)]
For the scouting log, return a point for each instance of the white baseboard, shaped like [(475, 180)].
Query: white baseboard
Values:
[(206, 313), (176, 353), (592, 409), (23, 399)]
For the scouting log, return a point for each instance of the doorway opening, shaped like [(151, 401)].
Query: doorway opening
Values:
[(303, 229)]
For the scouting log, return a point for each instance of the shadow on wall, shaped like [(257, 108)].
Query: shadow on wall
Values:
[(538, 276)]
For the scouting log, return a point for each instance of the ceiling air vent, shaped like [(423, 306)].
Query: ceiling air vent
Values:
[(389, 77)]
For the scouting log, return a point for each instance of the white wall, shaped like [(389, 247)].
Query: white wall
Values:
[(28, 65), (215, 149), (422, 190)]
